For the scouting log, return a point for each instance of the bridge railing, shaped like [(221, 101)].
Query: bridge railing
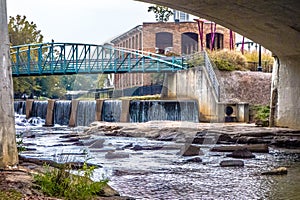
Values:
[(202, 59), (71, 58), (212, 75)]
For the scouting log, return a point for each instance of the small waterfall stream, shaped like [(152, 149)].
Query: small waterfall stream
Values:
[(39, 109), (86, 112), (143, 111), (111, 111), (20, 107), (62, 112), (139, 111)]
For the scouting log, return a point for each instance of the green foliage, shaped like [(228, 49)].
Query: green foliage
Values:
[(20, 143), (22, 31), (162, 13), (10, 194), (228, 60), (197, 60), (252, 58), (261, 116), (262, 113), (61, 183)]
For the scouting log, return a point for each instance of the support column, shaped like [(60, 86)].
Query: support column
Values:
[(8, 146), (73, 115), (29, 103), (125, 111), (50, 113), (288, 109), (99, 105)]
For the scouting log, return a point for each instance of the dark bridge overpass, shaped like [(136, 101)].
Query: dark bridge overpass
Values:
[(273, 23)]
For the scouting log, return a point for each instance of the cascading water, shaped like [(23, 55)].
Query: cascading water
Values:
[(62, 111), (20, 107), (111, 111), (39, 109), (183, 110), (86, 112)]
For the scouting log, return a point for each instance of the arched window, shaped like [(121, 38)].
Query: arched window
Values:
[(163, 40), (189, 43), (218, 41)]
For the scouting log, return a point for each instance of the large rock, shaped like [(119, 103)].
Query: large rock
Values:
[(241, 153), (277, 171), (256, 148), (190, 150), (232, 163), (116, 155)]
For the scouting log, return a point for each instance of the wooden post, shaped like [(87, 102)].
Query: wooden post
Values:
[(29, 103)]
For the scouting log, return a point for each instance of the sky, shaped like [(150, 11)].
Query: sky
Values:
[(81, 21)]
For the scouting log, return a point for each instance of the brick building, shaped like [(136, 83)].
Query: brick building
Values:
[(180, 38)]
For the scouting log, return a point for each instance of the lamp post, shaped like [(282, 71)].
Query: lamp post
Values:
[(259, 68)]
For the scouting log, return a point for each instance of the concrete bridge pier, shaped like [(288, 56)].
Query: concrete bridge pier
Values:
[(285, 99)]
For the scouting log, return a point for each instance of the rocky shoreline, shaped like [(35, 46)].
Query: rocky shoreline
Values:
[(238, 141)]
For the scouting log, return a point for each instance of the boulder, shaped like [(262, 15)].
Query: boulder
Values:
[(276, 171), (241, 153), (194, 159), (255, 148), (190, 150), (140, 148), (232, 163), (116, 155)]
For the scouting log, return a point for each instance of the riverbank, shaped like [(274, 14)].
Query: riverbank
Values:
[(148, 160), (17, 183)]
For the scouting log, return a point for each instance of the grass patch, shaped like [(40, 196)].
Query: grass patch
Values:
[(63, 184), (10, 194)]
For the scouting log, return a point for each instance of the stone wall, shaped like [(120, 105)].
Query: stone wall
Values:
[(245, 86)]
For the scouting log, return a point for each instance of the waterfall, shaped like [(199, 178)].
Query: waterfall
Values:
[(39, 109), (111, 110), (86, 112), (20, 107), (62, 110), (143, 111)]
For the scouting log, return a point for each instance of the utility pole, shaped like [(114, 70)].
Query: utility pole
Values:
[(8, 146)]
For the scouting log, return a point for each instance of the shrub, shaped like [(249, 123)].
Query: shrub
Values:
[(262, 115), (61, 183), (226, 60)]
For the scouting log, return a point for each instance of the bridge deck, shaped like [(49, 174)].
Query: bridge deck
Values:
[(72, 58)]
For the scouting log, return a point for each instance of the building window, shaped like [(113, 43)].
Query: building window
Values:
[(163, 40), (189, 43), (218, 41)]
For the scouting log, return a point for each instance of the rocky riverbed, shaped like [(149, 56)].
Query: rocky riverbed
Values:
[(179, 160)]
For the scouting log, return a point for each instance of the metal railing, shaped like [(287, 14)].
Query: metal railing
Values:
[(212, 75), (74, 58)]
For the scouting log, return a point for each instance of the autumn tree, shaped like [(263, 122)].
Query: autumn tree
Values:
[(162, 13), (22, 31)]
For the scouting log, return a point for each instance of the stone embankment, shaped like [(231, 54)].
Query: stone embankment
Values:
[(203, 133)]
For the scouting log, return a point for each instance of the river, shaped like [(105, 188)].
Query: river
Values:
[(163, 173)]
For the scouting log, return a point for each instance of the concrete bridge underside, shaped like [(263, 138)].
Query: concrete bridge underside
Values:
[(273, 23)]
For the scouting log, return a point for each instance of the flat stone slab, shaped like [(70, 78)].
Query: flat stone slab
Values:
[(256, 148), (232, 163)]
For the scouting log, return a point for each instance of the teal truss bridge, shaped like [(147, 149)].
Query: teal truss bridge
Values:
[(72, 58)]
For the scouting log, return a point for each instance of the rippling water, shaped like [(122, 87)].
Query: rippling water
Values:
[(163, 174)]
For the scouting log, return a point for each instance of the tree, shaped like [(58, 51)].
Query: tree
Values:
[(8, 146), (162, 13), (22, 31)]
